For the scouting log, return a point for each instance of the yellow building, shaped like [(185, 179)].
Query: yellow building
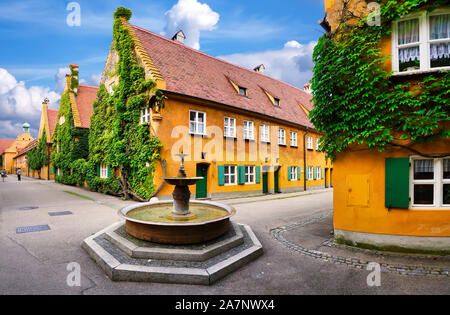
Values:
[(244, 132), (47, 124), (397, 200), (9, 148)]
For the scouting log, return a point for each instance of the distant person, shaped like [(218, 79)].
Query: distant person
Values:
[(19, 172), (3, 174)]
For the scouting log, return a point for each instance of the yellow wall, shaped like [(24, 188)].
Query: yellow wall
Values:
[(176, 113), (8, 158)]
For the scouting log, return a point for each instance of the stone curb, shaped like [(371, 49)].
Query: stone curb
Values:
[(278, 234)]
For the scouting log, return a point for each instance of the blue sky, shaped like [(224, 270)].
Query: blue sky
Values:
[(37, 43)]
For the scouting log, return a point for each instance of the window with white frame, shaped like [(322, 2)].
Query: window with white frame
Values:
[(111, 89), (421, 41), (249, 130), (264, 133), (230, 174), (310, 173), (197, 122), (317, 144), (250, 175), (281, 137), (294, 173), (318, 173), (145, 116), (230, 127), (430, 183), (310, 143), (103, 171), (294, 137)]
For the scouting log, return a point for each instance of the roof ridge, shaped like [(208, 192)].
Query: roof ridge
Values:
[(218, 59), (88, 86)]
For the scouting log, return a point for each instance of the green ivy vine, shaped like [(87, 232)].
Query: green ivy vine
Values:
[(70, 144), (358, 102), (116, 138), (38, 157)]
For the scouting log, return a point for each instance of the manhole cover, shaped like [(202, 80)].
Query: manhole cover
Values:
[(28, 208), (30, 229), (57, 214)]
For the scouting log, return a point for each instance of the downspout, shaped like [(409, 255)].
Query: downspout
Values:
[(304, 157)]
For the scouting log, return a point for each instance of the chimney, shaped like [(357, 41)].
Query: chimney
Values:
[(74, 78), (260, 68), (307, 88), (45, 104), (179, 37)]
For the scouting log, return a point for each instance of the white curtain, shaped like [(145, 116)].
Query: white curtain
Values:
[(438, 51), (424, 166), (440, 26), (446, 165), (408, 32)]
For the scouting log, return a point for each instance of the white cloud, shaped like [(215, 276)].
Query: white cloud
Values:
[(60, 79), (192, 17), (292, 64), (19, 103)]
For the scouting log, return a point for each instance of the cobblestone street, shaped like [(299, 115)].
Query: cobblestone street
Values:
[(294, 229)]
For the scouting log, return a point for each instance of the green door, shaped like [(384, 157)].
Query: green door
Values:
[(202, 185), (265, 183), (276, 181)]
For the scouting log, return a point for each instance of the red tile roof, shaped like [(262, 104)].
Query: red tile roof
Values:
[(29, 147), (52, 115), (193, 73), (5, 144), (85, 98)]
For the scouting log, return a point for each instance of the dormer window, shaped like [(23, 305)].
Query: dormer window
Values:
[(276, 102), (421, 42), (242, 91)]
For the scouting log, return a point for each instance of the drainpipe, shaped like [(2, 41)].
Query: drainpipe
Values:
[(304, 157)]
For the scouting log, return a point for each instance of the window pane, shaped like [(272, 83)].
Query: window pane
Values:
[(423, 169), (409, 58), (447, 169), (408, 32), (446, 200), (440, 26), (440, 55), (423, 194), (192, 116)]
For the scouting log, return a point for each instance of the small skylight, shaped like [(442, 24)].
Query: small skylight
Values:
[(242, 91), (276, 102)]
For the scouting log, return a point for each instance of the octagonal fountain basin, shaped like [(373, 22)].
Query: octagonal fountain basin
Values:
[(155, 222)]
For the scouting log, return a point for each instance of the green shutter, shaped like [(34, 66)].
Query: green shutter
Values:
[(241, 175), (289, 173), (109, 171), (98, 170), (315, 173), (307, 173), (221, 175), (397, 183), (321, 172), (258, 174), (299, 171), (52, 170)]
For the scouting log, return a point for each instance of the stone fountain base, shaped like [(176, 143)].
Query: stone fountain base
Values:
[(125, 258)]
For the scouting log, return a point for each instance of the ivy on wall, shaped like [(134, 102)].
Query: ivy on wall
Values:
[(38, 157), (116, 138), (70, 144), (358, 102)]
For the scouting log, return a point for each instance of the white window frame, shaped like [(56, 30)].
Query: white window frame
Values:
[(229, 127), (281, 137), (318, 172), (264, 131), (145, 116), (249, 130), (228, 175), (424, 41), (250, 175), (438, 183), (197, 123), (294, 139), (103, 171), (310, 145), (294, 173)]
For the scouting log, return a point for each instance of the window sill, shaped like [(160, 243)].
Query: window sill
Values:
[(282, 145), (418, 72), (266, 142), (198, 135), (250, 140), (230, 138), (294, 146)]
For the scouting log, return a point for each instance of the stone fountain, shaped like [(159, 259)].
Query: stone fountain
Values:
[(179, 241)]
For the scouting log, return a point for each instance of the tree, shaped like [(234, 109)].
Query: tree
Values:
[(38, 157)]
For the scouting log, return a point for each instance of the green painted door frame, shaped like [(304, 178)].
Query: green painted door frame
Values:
[(202, 185)]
